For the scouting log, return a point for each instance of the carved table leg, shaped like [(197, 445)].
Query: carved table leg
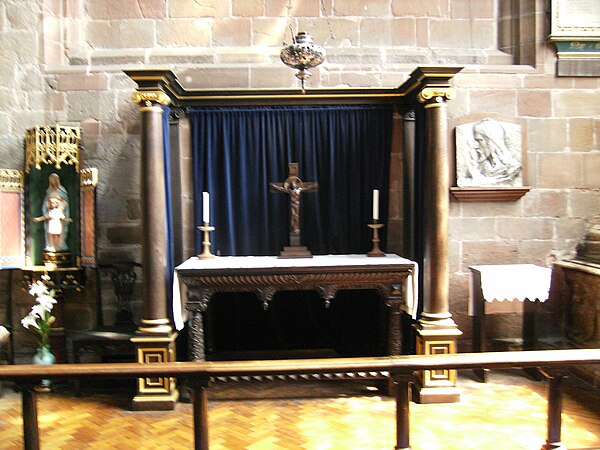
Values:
[(394, 303), (196, 335)]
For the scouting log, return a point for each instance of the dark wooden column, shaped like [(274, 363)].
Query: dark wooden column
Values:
[(408, 183), (437, 205), (153, 205), (429, 88), (155, 338)]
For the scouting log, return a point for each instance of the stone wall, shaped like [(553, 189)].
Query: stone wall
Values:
[(62, 61)]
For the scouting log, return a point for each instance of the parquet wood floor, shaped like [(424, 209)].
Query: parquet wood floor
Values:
[(509, 412)]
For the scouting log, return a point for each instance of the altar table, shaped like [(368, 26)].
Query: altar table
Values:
[(393, 277)]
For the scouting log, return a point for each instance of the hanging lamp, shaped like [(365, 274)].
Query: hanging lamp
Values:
[(302, 54)]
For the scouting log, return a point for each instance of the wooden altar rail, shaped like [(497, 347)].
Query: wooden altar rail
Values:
[(555, 364)]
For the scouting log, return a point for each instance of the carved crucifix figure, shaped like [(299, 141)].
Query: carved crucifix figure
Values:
[(294, 186)]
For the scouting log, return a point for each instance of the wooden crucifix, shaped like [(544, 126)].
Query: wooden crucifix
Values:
[(294, 186)]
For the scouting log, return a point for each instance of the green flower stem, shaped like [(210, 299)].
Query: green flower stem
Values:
[(44, 328)]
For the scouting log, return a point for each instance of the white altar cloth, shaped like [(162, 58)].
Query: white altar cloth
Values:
[(410, 286), (509, 282)]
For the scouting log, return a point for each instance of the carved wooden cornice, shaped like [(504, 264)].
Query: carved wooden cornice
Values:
[(165, 81), (432, 81)]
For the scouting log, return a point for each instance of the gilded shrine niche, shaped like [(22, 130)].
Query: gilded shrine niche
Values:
[(48, 210), (48, 219)]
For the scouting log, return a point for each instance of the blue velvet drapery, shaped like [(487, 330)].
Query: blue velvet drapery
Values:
[(169, 251), (237, 151)]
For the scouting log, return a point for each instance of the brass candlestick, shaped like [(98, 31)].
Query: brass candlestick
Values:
[(375, 251), (206, 254)]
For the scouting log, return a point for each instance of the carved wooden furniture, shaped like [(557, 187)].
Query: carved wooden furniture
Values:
[(495, 288), (578, 285), (392, 276), (422, 99), (111, 342)]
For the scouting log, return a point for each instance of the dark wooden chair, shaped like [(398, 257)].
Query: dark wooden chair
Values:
[(110, 343)]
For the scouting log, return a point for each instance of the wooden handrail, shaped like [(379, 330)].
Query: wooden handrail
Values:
[(396, 364), (400, 368)]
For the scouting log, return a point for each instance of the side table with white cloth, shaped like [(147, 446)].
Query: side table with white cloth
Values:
[(506, 288)]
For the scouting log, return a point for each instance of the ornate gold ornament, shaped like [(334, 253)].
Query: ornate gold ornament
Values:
[(11, 179), (54, 145), (160, 97), (88, 177)]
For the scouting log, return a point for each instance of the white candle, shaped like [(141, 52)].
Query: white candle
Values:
[(205, 207), (375, 204)]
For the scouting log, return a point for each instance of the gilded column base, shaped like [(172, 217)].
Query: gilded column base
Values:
[(155, 327), (159, 393), (436, 338)]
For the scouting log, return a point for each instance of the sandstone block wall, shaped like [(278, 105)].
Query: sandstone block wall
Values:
[(62, 61)]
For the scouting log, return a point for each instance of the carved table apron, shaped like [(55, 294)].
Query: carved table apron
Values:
[(392, 276)]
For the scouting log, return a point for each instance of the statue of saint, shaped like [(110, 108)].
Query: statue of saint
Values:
[(55, 214)]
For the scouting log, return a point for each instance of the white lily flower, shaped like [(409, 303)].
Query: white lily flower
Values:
[(46, 302), (37, 311), (38, 288), (29, 320), (40, 316)]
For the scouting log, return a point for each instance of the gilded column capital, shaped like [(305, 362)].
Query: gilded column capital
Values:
[(148, 98), (436, 95), (11, 179)]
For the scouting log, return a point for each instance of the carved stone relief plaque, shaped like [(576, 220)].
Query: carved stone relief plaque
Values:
[(489, 153), (490, 158)]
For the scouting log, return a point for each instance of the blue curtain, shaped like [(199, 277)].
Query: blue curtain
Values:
[(238, 151), (170, 250)]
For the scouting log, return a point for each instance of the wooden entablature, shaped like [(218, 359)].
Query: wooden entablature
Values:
[(165, 81)]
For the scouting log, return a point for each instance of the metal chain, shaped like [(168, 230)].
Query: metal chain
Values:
[(324, 12), (290, 9)]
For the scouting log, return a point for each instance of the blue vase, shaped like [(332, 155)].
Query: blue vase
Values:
[(44, 356)]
